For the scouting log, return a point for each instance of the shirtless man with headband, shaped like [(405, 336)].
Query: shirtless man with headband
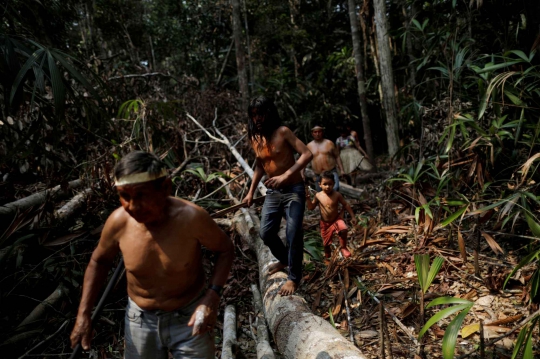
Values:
[(170, 307)]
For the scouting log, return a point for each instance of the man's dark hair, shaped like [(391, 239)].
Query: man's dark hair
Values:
[(139, 162), (328, 175), (264, 107)]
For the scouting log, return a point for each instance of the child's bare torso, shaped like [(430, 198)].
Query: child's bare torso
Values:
[(328, 205), (277, 156), (163, 264), (323, 156)]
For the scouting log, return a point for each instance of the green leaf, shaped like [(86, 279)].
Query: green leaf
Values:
[(417, 24), (520, 54), (22, 72), (519, 341), (441, 315), (529, 258), (451, 333), (533, 225), (434, 270), (331, 317), (453, 217), (498, 66), (515, 100), (58, 88), (421, 261), (77, 75), (448, 300)]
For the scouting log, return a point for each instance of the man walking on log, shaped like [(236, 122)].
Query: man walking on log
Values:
[(275, 146), (160, 237), (325, 157)]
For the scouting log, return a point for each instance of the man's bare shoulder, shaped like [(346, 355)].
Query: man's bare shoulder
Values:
[(284, 131), (117, 220)]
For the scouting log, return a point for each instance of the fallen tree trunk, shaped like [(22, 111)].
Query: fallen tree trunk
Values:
[(36, 198), (229, 332), (297, 332), (264, 350), (344, 188)]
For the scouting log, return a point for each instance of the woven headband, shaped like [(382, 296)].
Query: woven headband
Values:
[(139, 177)]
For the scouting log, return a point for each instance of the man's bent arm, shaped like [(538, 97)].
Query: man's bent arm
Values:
[(258, 173), (305, 154), (94, 277)]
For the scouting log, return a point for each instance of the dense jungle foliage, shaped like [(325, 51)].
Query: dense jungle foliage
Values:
[(83, 82)]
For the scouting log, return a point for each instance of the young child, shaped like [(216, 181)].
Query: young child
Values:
[(170, 308), (331, 217), (275, 146)]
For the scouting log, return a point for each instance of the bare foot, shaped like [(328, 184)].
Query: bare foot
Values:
[(288, 288), (345, 252), (276, 267)]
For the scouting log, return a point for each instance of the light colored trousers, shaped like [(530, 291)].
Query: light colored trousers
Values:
[(152, 334)]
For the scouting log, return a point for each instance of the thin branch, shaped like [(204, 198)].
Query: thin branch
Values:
[(45, 340), (220, 187), (144, 75)]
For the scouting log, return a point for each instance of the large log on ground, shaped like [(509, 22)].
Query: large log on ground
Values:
[(297, 332), (35, 199)]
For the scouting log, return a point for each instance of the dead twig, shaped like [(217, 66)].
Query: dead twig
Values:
[(495, 340), (398, 322)]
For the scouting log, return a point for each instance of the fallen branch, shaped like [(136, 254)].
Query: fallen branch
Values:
[(68, 209), (150, 74), (40, 309), (224, 140), (495, 340), (37, 198), (44, 340), (264, 350), (297, 332), (229, 332)]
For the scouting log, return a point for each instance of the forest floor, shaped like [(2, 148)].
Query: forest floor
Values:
[(383, 246), (383, 265)]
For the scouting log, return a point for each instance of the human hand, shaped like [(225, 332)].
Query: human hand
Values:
[(354, 221), (204, 317), (248, 199), (82, 332), (275, 182)]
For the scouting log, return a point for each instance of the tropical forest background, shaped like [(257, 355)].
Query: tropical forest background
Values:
[(444, 94)]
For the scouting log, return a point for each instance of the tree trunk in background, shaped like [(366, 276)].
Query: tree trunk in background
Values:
[(408, 16), (251, 80), (240, 56), (360, 80), (387, 76)]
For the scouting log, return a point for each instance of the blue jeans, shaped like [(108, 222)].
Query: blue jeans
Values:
[(152, 334), (336, 181), (290, 200)]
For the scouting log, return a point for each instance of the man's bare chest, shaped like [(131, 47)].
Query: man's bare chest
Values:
[(157, 253), (276, 148)]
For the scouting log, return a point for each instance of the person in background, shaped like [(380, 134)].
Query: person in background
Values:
[(352, 155), (331, 222), (325, 157)]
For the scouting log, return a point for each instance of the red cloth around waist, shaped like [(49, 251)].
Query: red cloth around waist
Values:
[(329, 228)]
